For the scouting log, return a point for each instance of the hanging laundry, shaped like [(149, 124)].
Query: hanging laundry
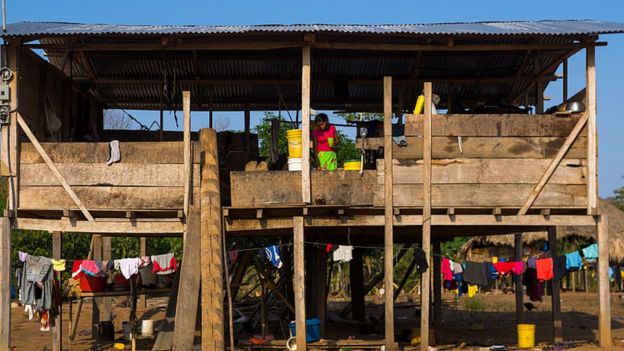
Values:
[(58, 265), (329, 248), (559, 267), (76, 271), (544, 268), (518, 268), (493, 274), (35, 282), (504, 268), (591, 252), (273, 255), (22, 256), (421, 261), (447, 272), (164, 264), (37, 268), (574, 262), (128, 266), (617, 276), (343, 254), (115, 155), (472, 290), (534, 288), (93, 268), (476, 273), (531, 262)]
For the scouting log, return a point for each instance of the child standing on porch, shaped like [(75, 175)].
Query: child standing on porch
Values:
[(325, 138)]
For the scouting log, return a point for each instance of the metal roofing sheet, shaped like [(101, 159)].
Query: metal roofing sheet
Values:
[(547, 27)]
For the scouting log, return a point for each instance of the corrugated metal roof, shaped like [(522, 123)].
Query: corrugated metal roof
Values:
[(518, 28)]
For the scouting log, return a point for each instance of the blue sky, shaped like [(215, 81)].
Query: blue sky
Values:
[(610, 73)]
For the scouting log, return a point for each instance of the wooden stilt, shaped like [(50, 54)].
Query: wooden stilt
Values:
[(555, 289), (603, 282), (211, 272), (305, 125), (592, 142), (437, 286), (186, 107), (426, 228), (228, 287), (518, 280), (389, 216), (299, 283), (565, 81), (356, 274), (248, 132), (5, 284), (57, 330), (106, 314), (188, 291), (97, 302), (316, 272), (143, 252), (210, 120), (573, 281)]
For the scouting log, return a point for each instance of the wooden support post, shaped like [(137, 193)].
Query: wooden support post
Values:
[(585, 281), (162, 127), (437, 286), (573, 278), (188, 291), (248, 132), (592, 137), (518, 280), (106, 313), (565, 81), (57, 331), (316, 275), (356, 277), (604, 300), (210, 120), (555, 289), (97, 302), (305, 125), (211, 263), (5, 284), (186, 109), (388, 218), (426, 228), (143, 252), (299, 282)]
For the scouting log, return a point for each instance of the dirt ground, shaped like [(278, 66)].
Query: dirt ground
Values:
[(468, 324)]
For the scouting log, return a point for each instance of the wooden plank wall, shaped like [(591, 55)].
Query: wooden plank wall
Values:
[(500, 160), (150, 176)]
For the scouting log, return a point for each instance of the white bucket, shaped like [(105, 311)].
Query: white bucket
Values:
[(147, 327), (294, 164)]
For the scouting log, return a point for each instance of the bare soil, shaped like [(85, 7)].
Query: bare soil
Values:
[(467, 324)]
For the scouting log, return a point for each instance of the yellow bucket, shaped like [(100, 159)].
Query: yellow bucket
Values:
[(294, 143), (352, 165), (526, 336)]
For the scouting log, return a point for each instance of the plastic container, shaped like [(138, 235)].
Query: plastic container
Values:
[(293, 136), (420, 103), (92, 284), (294, 164), (121, 281), (352, 165), (147, 327), (313, 329), (526, 336)]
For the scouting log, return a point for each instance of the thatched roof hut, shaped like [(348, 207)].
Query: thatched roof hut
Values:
[(482, 248)]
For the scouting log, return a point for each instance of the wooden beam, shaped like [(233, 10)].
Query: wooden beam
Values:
[(554, 164), (555, 289), (212, 273), (425, 290), (305, 123), (5, 284), (106, 303), (53, 168), (186, 108), (604, 298), (248, 132), (388, 219), (592, 133), (57, 330), (565, 81), (121, 226), (188, 291), (299, 282), (472, 47)]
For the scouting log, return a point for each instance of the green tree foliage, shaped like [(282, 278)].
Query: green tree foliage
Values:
[(618, 198), (344, 151), (450, 248)]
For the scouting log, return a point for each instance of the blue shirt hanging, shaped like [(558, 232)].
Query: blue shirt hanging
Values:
[(273, 254)]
